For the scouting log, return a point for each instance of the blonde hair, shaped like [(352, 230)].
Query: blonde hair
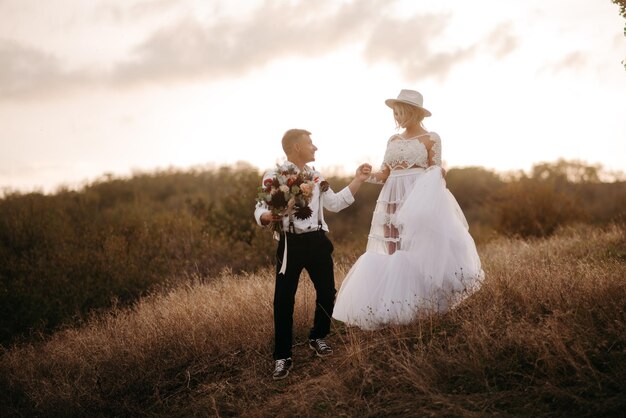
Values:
[(291, 137), (406, 115)]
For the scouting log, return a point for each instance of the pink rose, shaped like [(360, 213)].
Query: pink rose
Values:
[(306, 189)]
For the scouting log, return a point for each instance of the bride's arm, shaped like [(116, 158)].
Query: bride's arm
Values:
[(380, 176), (434, 153)]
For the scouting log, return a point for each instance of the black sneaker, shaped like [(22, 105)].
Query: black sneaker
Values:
[(322, 349), (281, 369)]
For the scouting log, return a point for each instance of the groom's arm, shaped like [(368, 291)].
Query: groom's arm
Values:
[(261, 208), (335, 202), (363, 172), (262, 213)]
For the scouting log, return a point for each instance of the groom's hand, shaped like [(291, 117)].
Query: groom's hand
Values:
[(267, 217), (363, 172)]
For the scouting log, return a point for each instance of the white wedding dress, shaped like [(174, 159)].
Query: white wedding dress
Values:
[(420, 257)]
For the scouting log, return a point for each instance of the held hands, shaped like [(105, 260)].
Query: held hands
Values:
[(361, 175), (363, 172)]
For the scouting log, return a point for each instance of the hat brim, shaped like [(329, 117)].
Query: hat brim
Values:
[(391, 102)]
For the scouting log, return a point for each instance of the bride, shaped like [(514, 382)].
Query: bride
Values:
[(420, 256)]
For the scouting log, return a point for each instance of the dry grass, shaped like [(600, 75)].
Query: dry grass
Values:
[(545, 336)]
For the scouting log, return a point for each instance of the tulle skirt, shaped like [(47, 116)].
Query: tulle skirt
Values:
[(420, 257)]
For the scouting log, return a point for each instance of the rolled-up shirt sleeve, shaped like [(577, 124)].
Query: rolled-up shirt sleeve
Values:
[(335, 202), (261, 207), (258, 211)]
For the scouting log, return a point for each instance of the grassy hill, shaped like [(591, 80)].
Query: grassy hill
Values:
[(544, 336), (68, 254)]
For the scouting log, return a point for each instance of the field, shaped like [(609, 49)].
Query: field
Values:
[(545, 336)]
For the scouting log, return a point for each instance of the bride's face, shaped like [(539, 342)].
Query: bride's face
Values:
[(397, 115), (406, 115)]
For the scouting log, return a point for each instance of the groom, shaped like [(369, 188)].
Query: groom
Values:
[(308, 248)]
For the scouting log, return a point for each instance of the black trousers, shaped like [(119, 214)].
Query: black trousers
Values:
[(311, 251)]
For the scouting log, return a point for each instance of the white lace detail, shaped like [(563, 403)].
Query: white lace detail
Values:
[(436, 148), (374, 180), (404, 153)]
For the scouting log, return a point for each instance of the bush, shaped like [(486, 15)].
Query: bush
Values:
[(68, 254), (529, 207)]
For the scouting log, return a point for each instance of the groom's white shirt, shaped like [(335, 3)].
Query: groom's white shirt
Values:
[(332, 201)]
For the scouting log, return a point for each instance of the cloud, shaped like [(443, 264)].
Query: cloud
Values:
[(573, 61), (501, 41), (231, 46), (407, 44), (128, 11), (24, 70)]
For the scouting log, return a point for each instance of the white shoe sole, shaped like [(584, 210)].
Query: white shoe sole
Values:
[(320, 355), (286, 374)]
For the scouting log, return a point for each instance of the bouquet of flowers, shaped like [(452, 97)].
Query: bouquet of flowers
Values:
[(288, 191)]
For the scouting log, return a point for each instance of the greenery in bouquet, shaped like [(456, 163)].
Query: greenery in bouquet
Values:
[(289, 190)]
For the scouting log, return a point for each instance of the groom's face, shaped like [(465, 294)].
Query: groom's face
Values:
[(306, 149)]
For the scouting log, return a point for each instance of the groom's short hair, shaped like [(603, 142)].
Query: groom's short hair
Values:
[(291, 137)]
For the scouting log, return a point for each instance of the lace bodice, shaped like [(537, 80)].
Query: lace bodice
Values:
[(404, 153)]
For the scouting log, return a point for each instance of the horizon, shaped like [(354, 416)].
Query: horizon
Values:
[(125, 86), (605, 175)]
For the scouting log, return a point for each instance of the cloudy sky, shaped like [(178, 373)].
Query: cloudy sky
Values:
[(120, 86)]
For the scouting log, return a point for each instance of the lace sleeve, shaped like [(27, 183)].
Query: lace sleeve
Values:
[(375, 178), (436, 158)]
